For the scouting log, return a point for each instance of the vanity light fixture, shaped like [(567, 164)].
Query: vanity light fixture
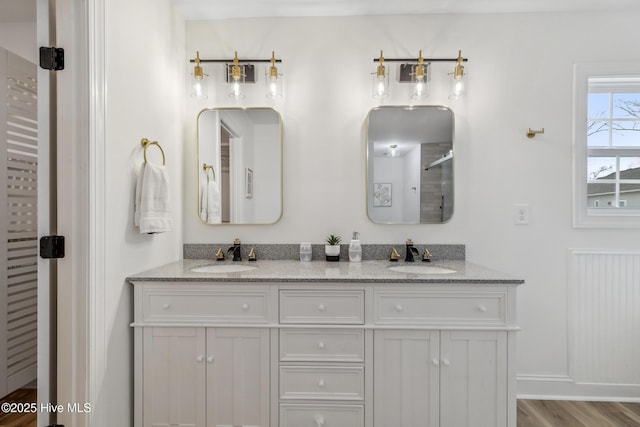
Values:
[(273, 80), (198, 80), (241, 72), (458, 84), (419, 79), (417, 72), (236, 78), (380, 79)]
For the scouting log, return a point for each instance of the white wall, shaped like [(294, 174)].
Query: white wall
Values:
[(144, 65), (520, 75)]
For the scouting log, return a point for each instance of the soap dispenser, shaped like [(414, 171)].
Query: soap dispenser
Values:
[(355, 249)]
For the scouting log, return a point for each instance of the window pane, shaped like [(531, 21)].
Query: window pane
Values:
[(626, 105), (598, 134), (630, 196), (598, 105), (626, 134), (629, 167), (601, 168), (601, 195)]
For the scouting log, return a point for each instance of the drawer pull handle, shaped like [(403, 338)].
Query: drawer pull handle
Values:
[(321, 345), (399, 307), (210, 359), (200, 358), (245, 307), (482, 308), (435, 362), (321, 307), (319, 421), (321, 384), (166, 306), (446, 362)]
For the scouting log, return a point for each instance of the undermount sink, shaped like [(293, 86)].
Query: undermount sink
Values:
[(222, 268), (421, 269)]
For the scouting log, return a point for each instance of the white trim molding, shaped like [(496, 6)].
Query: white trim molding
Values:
[(585, 217)]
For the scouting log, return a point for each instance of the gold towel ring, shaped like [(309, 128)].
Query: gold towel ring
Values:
[(146, 143), (206, 166)]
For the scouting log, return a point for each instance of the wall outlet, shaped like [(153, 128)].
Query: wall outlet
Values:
[(522, 214)]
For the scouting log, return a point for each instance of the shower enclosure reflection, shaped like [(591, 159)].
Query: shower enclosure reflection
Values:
[(410, 176), (239, 166)]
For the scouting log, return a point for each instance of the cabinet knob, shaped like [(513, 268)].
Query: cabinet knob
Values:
[(321, 383), (435, 362), (245, 307), (166, 306), (482, 308), (446, 362), (210, 359), (200, 358), (321, 307), (321, 345), (319, 421), (399, 307)]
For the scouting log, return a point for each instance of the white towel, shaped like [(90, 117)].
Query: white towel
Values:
[(152, 210), (210, 208), (204, 193)]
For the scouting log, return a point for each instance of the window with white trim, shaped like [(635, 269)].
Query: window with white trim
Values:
[(607, 145)]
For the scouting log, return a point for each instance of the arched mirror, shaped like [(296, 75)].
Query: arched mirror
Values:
[(410, 176), (239, 166)]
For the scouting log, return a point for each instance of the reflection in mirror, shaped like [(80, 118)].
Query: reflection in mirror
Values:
[(410, 164), (240, 166)]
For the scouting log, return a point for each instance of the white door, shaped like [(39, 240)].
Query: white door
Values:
[(46, 220), (473, 378), (174, 377), (406, 378), (237, 377)]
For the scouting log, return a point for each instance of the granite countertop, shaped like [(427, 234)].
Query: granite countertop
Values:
[(322, 271)]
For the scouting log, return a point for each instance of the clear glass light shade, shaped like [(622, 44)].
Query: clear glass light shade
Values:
[(199, 87), (235, 89), (419, 88), (274, 85), (380, 85), (458, 86)]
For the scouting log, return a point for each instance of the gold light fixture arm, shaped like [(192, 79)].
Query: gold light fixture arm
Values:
[(273, 70), (381, 71), (197, 70), (458, 71), (420, 67), (236, 71)]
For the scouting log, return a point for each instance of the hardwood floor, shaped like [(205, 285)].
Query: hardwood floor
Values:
[(25, 419), (531, 413), (562, 413)]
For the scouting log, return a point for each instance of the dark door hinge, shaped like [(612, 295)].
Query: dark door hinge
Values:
[(52, 247), (52, 58)]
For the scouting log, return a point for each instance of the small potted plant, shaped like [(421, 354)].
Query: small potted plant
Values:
[(332, 248)]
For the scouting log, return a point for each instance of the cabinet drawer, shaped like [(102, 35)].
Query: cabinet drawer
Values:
[(321, 345), (219, 306), (440, 308), (321, 415), (322, 382), (322, 307)]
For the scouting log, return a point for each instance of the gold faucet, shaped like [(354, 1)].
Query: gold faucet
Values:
[(252, 254), (220, 255), (394, 255), (426, 255)]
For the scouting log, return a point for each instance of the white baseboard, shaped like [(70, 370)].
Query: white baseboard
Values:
[(560, 387)]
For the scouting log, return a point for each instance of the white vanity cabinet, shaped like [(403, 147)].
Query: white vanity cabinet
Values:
[(324, 354), (202, 362)]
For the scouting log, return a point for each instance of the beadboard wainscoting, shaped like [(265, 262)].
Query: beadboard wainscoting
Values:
[(604, 319)]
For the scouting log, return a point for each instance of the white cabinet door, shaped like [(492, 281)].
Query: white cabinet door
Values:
[(406, 383), (473, 378), (174, 377), (237, 377)]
